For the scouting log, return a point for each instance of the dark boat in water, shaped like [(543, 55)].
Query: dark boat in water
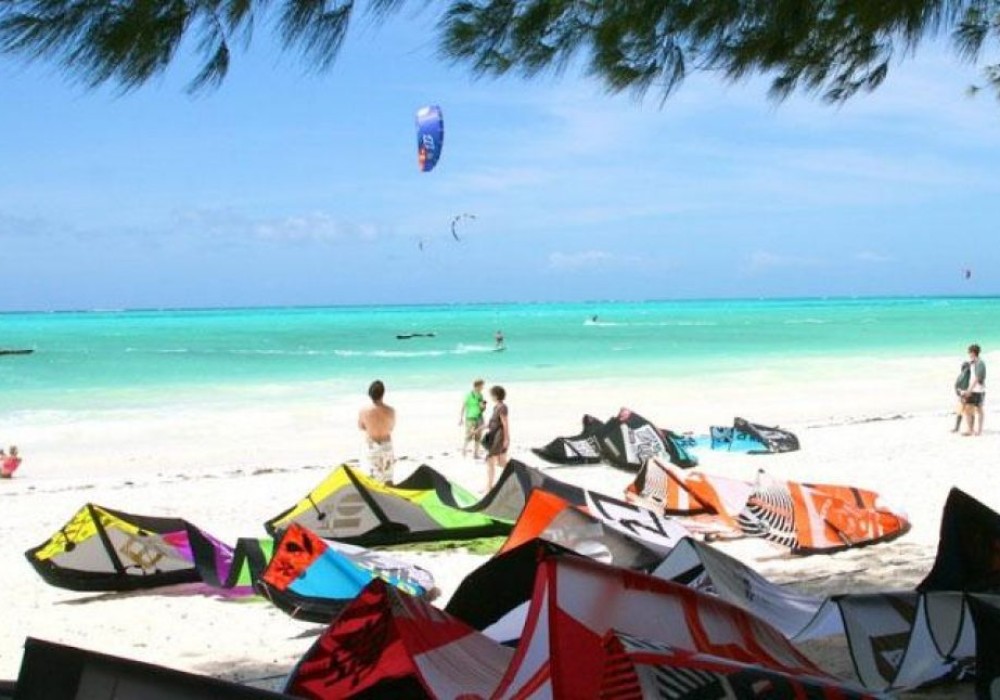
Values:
[(4, 351)]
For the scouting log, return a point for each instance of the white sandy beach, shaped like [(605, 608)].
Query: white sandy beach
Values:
[(227, 465)]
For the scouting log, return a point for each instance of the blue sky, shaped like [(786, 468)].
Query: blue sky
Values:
[(285, 187)]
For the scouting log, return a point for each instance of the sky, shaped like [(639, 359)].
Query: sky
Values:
[(288, 187)]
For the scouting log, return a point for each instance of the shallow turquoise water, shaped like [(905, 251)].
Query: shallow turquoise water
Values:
[(107, 359)]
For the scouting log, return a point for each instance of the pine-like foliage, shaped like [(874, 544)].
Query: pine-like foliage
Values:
[(834, 48)]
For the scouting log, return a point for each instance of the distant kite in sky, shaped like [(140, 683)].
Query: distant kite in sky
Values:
[(967, 273), (430, 137), (456, 220)]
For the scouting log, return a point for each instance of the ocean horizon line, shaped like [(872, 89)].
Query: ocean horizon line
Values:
[(486, 304)]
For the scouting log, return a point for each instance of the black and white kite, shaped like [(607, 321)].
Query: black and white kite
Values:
[(455, 221)]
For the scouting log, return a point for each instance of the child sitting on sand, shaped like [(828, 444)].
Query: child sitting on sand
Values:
[(9, 462)]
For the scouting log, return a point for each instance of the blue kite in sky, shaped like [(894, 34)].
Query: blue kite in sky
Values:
[(430, 137)]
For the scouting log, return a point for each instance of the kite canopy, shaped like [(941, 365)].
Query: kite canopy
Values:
[(101, 549), (624, 441), (455, 222), (658, 485), (806, 518), (583, 448), (820, 518), (898, 640), (388, 644), (606, 529), (430, 137), (902, 640), (637, 668), (313, 579), (705, 568), (494, 597), (986, 619), (351, 507), (577, 601), (307, 577), (745, 437), (967, 548), (57, 672)]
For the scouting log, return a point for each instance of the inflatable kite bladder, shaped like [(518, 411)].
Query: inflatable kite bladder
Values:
[(430, 137), (350, 507), (101, 549), (624, 441), (613, 531), (387, 644), (638, 668), (56, 672), (806, 518), (744, 437), (898, 640), (312, 579)]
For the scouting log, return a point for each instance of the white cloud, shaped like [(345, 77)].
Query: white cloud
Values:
[(576, 261), (586, 259), (763, 260), (314, 226), (310, 227), (870, 256), (492, 180), (892, 147), (33, 227)]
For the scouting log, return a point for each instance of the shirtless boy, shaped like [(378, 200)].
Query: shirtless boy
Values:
[(377, 422)]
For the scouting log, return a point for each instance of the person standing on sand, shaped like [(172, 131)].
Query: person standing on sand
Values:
[(497, 440), (472, 417), (961, 385), (975, 395), (377, 422)]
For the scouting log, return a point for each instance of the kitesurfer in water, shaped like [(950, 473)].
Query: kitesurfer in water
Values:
[(499, 341), (377, 422)]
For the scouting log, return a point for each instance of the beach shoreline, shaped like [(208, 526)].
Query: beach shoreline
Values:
[(288, 425)]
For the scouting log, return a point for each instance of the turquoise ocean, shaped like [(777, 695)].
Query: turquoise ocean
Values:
[(118, 359)]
